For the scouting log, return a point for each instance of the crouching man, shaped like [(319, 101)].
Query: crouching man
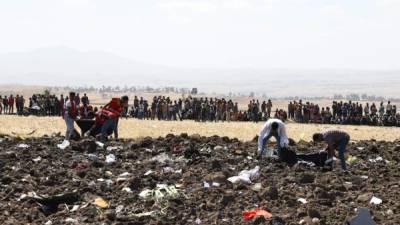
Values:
[(107, 118), (336, 140), (272, 128)]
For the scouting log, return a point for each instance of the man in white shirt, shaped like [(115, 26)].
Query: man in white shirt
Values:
[(272, 128)]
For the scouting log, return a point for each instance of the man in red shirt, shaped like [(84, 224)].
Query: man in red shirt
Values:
[(107, 118)]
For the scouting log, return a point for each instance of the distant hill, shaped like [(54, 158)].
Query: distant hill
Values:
[(58, 65), (66, 66)]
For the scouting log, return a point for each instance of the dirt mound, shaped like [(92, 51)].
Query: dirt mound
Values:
[(184, 180)]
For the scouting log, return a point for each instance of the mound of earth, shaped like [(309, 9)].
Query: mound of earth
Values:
[(184, 180)]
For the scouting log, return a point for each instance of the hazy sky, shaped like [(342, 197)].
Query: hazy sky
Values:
[(291, 34)]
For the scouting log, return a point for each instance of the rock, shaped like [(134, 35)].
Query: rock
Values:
[(315, 220), (110, 214), (373, 148), (307, 178), (216, 165), (195, 137), (313, 213), (218, 148), (238, 152), (135, 183), (366, 197), (216, 177), (277, 221), (259, 220), (146, 142), (389, 212), (273, 193), (227, 198)]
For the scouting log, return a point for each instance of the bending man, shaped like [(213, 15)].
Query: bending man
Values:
[(336, 140), (272, 128), (107, 118)]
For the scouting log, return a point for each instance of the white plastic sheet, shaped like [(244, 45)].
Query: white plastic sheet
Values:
[(246, 176)]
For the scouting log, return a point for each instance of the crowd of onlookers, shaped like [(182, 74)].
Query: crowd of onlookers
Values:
[(350, 113), (39, 104), (202, 109), (212, 109)]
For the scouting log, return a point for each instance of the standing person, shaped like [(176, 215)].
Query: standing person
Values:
[(5, 104), (366, 110), (1, 104), (272, 128), (388, 108), (77, 100), (17, 101), (336, 140), (21, 104), (85, 100), (381, 111), (11, 101), (70, 114), (269, 108)]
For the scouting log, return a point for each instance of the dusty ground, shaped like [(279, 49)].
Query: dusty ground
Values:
[(132, 128)]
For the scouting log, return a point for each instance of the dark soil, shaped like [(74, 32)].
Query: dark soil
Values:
[(70, 177)]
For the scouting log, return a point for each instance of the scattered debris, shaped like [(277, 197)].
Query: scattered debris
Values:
[(248, 215), (246, 176), (375, 201), (161, 192), (22, 145), (110, 159), (37, 159), (64, 145), (100, 202), (302, 200)]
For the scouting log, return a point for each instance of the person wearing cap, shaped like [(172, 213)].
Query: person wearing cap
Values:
[(272, 128), (336, 140)]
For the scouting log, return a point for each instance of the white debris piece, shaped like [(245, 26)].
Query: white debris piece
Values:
[(93, 157), (149, 172), (377, 159), (119, 209), (216, 184), (23, 145), (38, 159), (127, 189), (206, 184), (256, 187), (125, 174), (168, 170), (114, 148), (302, 200), (375, 201), (70, 220), (63, 145), (246, 176), (75, 208), (162, 158), (110, 158), (100, 144)]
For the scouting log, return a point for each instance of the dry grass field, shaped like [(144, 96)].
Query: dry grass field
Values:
[(132, 128)]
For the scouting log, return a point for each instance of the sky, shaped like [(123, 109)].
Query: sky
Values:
[(262, 34)]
